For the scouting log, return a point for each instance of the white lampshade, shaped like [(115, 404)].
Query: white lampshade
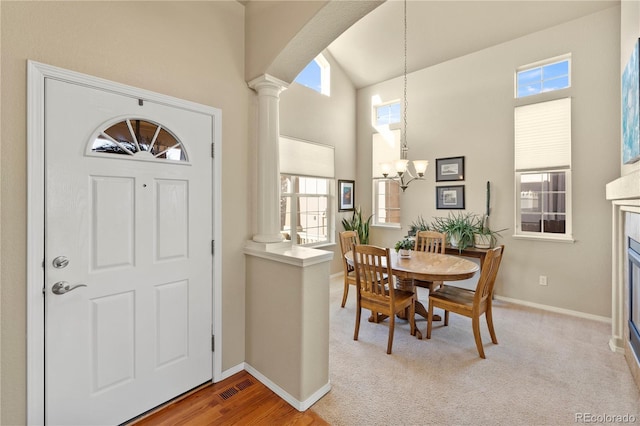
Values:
[(385, 168), (421, 166), (401, 166)]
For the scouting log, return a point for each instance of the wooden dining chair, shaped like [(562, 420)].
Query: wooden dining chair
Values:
[(348, 239), (469, 303), (433, 242), (373, 266)]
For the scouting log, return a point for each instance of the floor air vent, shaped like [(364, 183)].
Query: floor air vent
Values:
[(228, 393), (244, 384)]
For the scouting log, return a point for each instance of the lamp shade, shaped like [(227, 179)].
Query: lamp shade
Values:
[(401, 165), (420, 166)]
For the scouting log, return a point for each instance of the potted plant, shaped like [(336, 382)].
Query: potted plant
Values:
[(359, 225), (404, 247), (418, 225), (484, 236), (459, 227)]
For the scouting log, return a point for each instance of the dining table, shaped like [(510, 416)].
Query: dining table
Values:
[(426, 266)]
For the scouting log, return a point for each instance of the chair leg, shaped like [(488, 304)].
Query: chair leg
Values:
[(489, 316), (412, 317), (446, 317), (429, 318), (357, 330), (345, 293), (475, 321), (392, 326)]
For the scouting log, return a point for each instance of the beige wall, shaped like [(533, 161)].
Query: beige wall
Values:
[(464, 107), (330, 120), (288, 324), (190, 50)]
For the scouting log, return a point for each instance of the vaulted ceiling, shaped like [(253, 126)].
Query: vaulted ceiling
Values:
[(372, 49)]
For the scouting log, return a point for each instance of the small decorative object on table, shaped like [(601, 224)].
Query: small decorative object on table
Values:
[(404, 247)]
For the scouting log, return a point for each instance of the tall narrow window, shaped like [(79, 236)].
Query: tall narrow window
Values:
[(316, 75), (543, 169), (386, 192)]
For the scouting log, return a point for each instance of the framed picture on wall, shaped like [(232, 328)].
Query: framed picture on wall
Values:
[(346, 194), (448, 169), (450, 197), (631, 109)]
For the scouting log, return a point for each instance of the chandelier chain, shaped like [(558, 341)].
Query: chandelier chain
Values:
[(405, 148)]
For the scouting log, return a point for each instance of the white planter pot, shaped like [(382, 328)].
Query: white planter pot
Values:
[(482, 241), (404, 253)]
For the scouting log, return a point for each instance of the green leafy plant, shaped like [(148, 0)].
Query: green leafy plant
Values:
[(420, 224), (488, 233), (404, 244), (459, 227), (359, 225)]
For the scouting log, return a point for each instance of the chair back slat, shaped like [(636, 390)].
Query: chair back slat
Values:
[(348, 239), (487, 279), (430, 241), (373, 266)]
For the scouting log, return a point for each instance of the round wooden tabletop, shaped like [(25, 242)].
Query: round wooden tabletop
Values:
[(429, 266)]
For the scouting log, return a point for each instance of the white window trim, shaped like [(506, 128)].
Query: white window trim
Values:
[(374, 195), (331, 200), (567, 237), (325, 74), (538, 64)]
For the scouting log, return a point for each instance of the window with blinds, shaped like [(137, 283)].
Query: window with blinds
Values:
[(543, 169), (307, 171), (386, 192)]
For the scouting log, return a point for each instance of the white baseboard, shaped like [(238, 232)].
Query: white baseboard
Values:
[(555, 309), (231, 371), (298, 405)]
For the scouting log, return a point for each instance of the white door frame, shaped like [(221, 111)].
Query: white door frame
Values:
[(36, 75)]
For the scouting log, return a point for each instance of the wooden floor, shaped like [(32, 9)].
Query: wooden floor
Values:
[(238, 400)]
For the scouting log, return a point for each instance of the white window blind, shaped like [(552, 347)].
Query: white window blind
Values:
[(386, 148), (302, 158), (543, 135)]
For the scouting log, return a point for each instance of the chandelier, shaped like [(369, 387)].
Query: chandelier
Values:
[(402, 166)]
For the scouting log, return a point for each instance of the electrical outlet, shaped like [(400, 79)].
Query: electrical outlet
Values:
[(543, 280)]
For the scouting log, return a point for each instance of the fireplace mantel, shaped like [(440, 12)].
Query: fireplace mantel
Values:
[(624, 194), (626, 187)]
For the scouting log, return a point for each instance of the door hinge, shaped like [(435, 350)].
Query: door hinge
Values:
[(213, 246), (213, 343), (213, 150)]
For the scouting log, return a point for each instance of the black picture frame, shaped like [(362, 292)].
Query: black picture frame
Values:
[(346, 195), (450, 197), (449, 169)]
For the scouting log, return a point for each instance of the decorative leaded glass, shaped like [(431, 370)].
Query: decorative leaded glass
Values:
[(140, 139)]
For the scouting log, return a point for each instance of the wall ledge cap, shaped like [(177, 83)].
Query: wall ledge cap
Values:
[(288, 253)]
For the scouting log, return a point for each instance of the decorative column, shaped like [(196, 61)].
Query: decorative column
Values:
[(268, 206)]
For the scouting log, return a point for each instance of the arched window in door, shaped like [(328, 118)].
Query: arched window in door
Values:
[(138, 139)]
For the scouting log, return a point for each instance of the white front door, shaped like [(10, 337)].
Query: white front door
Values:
[(128, 262)]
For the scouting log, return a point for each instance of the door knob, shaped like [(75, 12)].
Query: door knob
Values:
[(60, 262), (62, 287)]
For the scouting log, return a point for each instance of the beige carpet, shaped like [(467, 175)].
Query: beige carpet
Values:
[(547, 369)]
